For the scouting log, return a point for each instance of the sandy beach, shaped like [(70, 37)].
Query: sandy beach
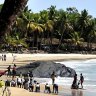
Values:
[(21, 59), (23, 92), (63, 91), (25, 58)]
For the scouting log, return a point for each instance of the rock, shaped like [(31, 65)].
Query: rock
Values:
[(44, 69)]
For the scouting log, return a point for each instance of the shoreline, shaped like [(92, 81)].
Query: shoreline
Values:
[(36, 57), (22, 59)]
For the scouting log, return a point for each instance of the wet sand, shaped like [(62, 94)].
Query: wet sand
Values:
[(63, 91)]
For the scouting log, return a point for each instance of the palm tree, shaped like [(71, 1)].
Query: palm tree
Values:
[(20, 27), (23, 19), (43, 17), (83, 22), (51, 22), (49, 28), (52, 12), (76, 38), (91, 37), (73, 16), (15, 41), (64, 27), (72, 10), (11, 8), (36, 29)]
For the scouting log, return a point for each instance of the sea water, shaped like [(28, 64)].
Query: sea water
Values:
[(86, 67)]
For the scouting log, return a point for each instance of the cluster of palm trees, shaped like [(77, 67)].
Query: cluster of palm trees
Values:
[(53, 27)]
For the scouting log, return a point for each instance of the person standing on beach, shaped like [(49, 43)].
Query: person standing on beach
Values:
[(14, 58), (14, 70), (74, 84), (9, 70), (19, 82), (4, 57), (81, 80), (53, 77), (75, 79)]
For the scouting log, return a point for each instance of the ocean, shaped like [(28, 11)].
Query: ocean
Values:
[(86, 67)]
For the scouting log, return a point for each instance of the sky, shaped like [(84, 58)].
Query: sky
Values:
[(39, 5)]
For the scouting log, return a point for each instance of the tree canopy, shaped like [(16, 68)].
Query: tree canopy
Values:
[(50, 26)]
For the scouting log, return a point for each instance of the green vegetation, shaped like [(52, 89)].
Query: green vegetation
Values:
[(66, 30)]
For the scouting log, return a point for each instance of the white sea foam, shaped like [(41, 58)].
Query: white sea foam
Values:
[(84, 66), (90, 61)]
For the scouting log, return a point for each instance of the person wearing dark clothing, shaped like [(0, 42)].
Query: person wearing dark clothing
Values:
[(9, 70), (26, 79), (53, 77), (30, 74), (74, 84), (7, 83), (47, 88), (31, 86), (75, 79), (37, 87), (81, 80), (14, 70), (26, 85), (55, 88), (4, 57)]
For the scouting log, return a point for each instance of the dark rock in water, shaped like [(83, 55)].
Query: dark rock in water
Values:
[(45, 68)]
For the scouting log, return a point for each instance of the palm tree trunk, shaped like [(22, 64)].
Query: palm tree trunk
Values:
[(10, 10), (60, 41), (51, 39)]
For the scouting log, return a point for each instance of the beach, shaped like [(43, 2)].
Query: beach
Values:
[(15, 57), (22, 59)]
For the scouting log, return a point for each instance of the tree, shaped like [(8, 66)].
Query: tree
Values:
[(64, 27), (83, 22), (11, 8), (43, 16), (52, 21), (36, 29), (76, 38), (91, 37), (73, 16), (49, 26), (72, 10)]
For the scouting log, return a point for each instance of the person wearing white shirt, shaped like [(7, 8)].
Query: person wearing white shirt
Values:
[(19, 81)]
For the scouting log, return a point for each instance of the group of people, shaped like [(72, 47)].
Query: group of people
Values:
[(27, 82), (3, 57), (76, 82), (11, 70)]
